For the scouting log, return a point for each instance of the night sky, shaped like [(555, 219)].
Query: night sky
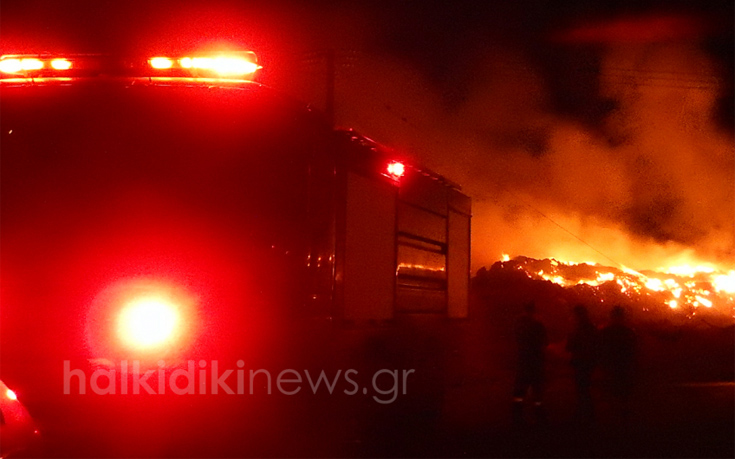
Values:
[(607, 122)]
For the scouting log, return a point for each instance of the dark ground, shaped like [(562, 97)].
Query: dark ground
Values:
[(457, 405)]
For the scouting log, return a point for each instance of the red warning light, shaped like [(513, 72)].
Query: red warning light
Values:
[(60, 64), (148, 322), (33, 66), (143, 318), (14, 65), (222, 66), (396, 169), (161, 62)]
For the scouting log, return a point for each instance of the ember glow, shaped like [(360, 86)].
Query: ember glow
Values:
[(684, 288)]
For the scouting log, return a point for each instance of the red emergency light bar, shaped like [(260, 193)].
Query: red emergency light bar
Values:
[(223, 65), (24, 66), (240, 65)]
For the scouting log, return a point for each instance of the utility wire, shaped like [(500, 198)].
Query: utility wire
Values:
[(567, 231)]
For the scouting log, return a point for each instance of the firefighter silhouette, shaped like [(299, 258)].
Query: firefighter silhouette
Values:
[(583, 346), (617, 356), (532, 340)]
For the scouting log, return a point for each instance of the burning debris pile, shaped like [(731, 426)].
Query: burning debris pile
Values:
[(677, 294)]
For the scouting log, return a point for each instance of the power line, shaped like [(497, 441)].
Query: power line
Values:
[(569, 232)]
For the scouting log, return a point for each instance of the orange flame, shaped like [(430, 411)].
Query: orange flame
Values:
[(684, 288)]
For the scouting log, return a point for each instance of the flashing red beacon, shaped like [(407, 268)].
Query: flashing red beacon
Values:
[(396, 169)]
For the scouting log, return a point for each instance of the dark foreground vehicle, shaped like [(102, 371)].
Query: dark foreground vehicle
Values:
[(159, 221), (18, 433)]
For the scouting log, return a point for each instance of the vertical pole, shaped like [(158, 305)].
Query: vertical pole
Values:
[(330, 86)]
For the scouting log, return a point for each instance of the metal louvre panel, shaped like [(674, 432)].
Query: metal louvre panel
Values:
[(417, 222), (417, 267), (425, 192)]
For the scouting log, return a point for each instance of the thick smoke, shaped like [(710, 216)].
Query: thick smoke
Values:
[(647, 180)]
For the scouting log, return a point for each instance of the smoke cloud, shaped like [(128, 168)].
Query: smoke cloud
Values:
[(639, 173)]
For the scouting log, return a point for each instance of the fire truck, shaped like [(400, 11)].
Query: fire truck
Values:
[(184, 169), (164, 207)]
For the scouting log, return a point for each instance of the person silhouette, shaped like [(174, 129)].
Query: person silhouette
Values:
[(532, 340), (618, 352), (583, 347)]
